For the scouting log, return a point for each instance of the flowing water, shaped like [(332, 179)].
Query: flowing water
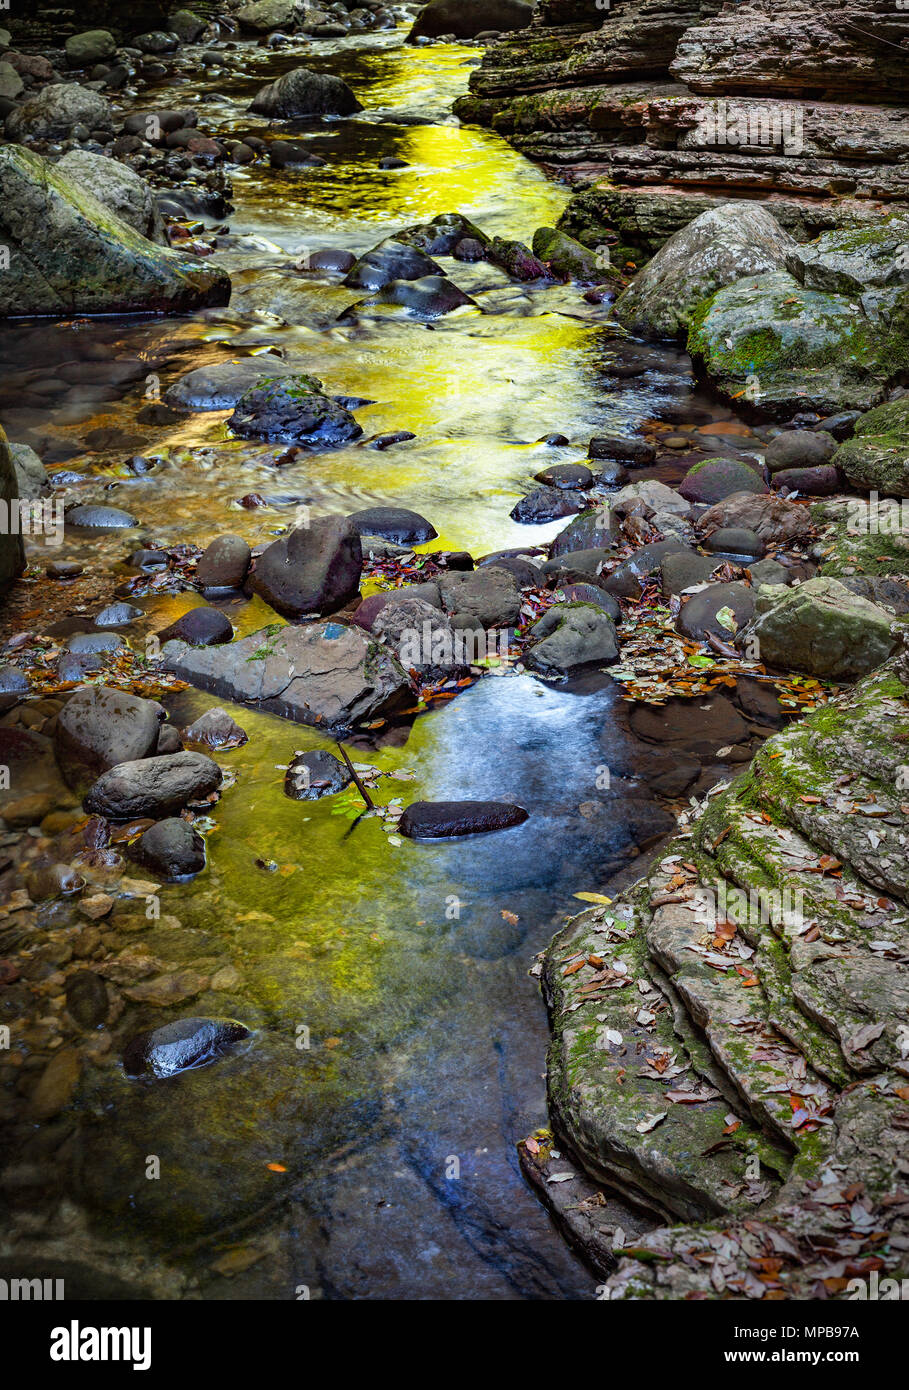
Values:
[(399, 1040)]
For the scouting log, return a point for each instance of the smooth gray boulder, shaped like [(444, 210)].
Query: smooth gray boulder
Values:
[(571, 635), (716, 249), (156, 787), (101, 726), (51, 113), (119, 188)]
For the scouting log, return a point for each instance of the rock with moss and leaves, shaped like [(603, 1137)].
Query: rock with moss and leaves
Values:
[(730, 1046), (877, 457), (821, 628), (12, 552), (69, 254), (786, 347)]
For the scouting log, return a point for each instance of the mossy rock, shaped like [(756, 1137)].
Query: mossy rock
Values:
[(877, 457), (785, 348)]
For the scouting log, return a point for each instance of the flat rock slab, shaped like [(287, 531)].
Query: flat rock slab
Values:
[(322, 673), (440, 820)]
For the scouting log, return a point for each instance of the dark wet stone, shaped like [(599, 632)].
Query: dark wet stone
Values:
[(284, 154), (385, 441), (148, 561), (467, 19), (635, 453), (224, 563), (468, 250), (154, 786), (577, 566), (698, 614), (394, 524), (87, 1000), (683, 569), (590, 594), (547, 504), (372, 606), (823, 481), (301, 92), (489, 595), (315, 569), (571, 635), (177, 1046), (565, 475), (315, 774), (841, 426), (172, 849), (436, 820), (217, 729), (94, 642), (169, 741), (200, 627), (294, 410), (592, 530), (714, 479), (517, 259), (332, 259), (429, 297), (799, 449), (64, 569), (117, 615), (625, 580), (390, 260), (525, 575), (735, 541), (759, 701), (612, 474), (391, 161), (99, 518)]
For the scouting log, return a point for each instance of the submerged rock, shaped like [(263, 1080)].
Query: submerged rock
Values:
[(177, 1046), (547, 504), (70, 254), (439, 820), (429, 297), (217, 729)]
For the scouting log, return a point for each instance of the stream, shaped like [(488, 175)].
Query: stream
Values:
[(398, 1046)]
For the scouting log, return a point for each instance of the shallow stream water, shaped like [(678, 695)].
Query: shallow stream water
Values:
[(404, 967)]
